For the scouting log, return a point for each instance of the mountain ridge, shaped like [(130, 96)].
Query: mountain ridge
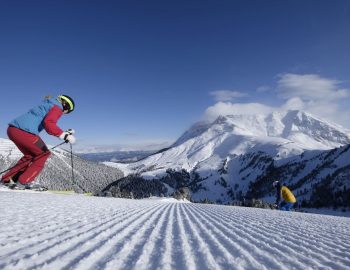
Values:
[(229, 135), (225, 158)]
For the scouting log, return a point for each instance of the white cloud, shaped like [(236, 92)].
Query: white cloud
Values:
[(294, 103), (228, 108), (227, 95), (309, 87), (315, 94), (263, 89), (310, 92)]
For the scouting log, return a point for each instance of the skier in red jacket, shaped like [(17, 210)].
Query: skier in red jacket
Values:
[(24, 132)]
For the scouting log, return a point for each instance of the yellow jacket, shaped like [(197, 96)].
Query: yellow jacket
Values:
[(287, 195)]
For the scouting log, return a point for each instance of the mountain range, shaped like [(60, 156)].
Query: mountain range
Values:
[(239, 156), (116, 156)]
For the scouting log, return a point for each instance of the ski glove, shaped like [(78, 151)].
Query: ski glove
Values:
[(70, 131), (67, 136)]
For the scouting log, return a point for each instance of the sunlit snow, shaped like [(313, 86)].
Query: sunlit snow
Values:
[(50, 231)]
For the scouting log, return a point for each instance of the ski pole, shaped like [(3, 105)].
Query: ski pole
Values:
[(71, 157), (37, 157), (72, 165)]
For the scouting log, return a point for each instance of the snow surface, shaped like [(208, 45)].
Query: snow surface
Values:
[(51, 231)]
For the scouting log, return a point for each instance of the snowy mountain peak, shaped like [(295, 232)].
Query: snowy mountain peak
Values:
[(279, 134), (301, 125), (195, 130), (224, 159), (294, 125)]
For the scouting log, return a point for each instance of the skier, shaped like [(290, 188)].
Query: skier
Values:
[(24, 132), (288, 197)]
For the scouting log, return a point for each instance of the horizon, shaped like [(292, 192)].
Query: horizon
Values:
[(143, 73), (156, 146), (152, 147)]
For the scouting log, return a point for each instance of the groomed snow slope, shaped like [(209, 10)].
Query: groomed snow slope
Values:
[(50, 231)]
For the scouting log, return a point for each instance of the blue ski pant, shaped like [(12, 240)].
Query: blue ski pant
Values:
[(284, 206)]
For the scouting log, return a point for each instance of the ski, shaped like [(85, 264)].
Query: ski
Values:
[(20, 187)]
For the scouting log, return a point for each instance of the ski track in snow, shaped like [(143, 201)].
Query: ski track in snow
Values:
[(51, 231)]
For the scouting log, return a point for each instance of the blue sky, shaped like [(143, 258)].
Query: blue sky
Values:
[(144, 71)]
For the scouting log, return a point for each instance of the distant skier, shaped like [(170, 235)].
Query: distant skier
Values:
[(288, 197), (24, 131)]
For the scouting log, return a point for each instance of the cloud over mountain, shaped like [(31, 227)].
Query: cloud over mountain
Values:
[(318, 95), (227, 95)]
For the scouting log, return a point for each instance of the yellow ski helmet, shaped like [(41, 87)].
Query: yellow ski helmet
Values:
[(67, 103)]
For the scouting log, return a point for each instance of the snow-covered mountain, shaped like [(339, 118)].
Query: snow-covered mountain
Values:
[(322, 177), (116, 156), (279, 135), (294, 126), (57, 174), (228, 155), (137, 147)]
